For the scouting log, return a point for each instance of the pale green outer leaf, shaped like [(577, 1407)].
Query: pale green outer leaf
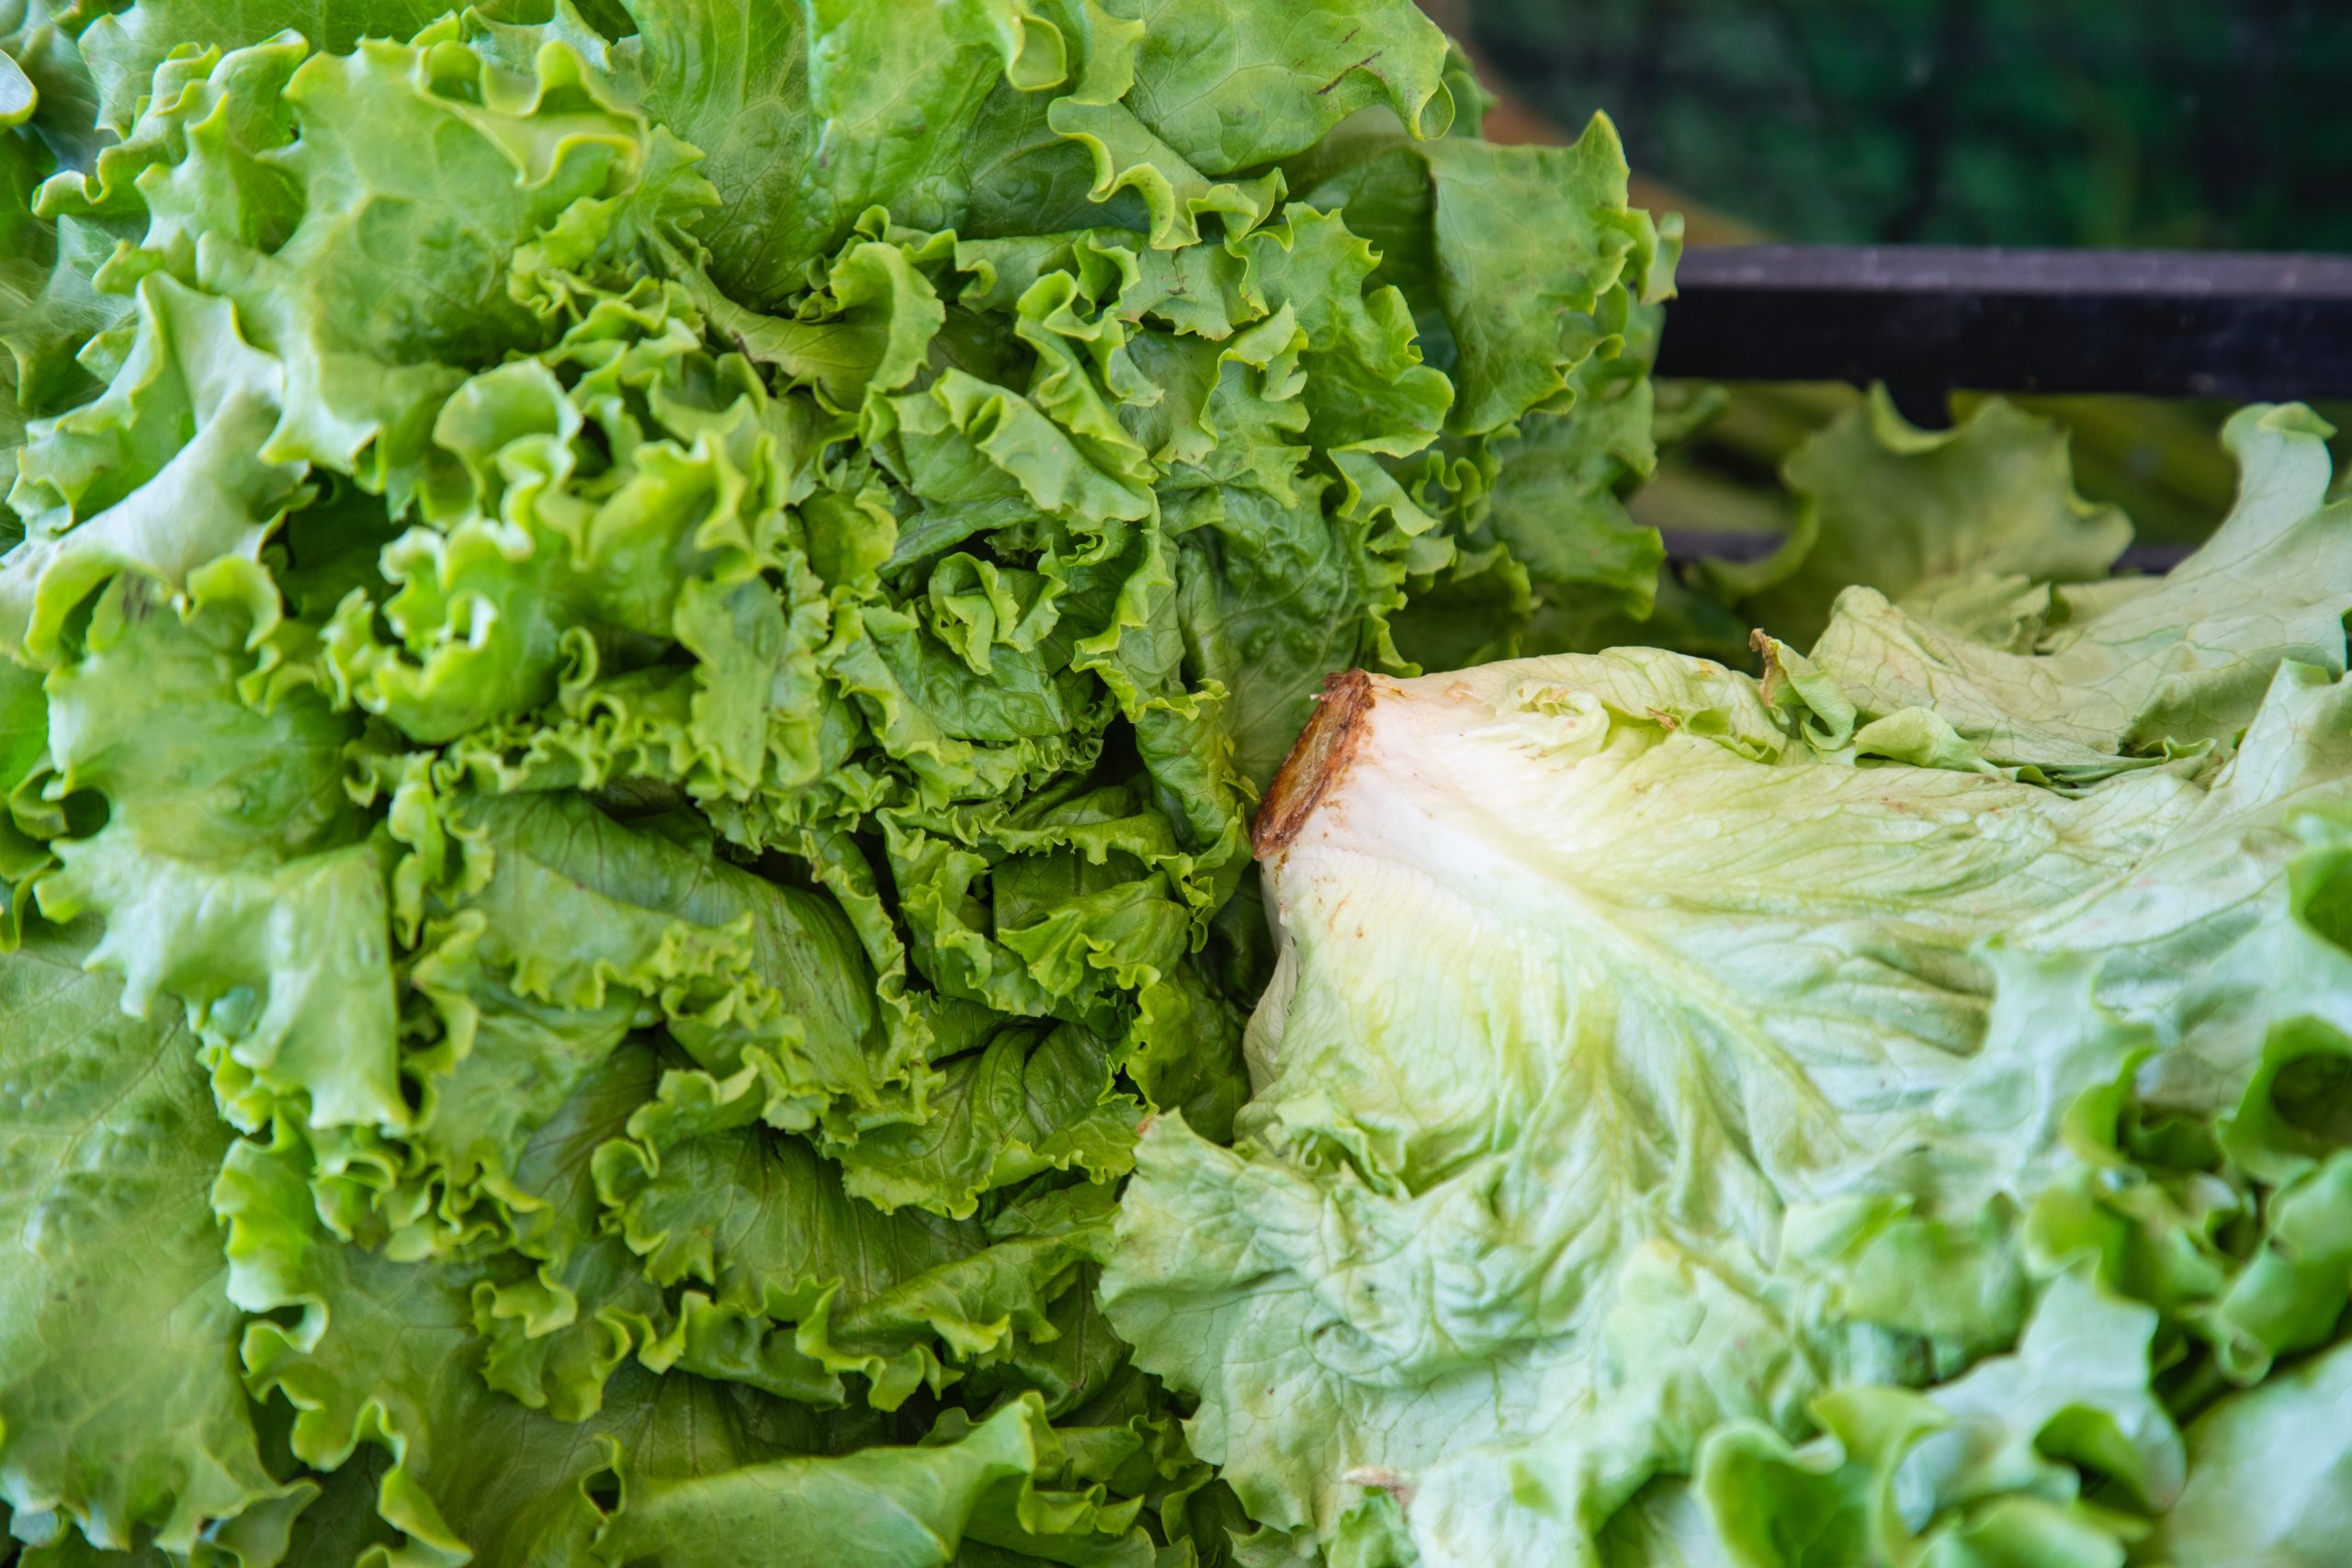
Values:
[(1980, 1465), (2185, 662), (2207, 942), (1604, 1051)]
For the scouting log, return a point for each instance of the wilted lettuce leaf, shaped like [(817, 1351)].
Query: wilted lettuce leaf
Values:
[(1977, 528), (2126, 669)]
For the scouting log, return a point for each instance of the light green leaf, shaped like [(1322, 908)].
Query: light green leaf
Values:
[(160, 475), (1918, 514), (2184, 662), (1643, 1060), (2266, 1475), (120, 1408), (125, 47), (233, 871)]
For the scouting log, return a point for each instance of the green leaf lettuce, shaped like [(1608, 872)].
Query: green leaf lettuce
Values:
[(638, 639)]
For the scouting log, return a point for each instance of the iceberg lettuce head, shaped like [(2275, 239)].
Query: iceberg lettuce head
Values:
[(1807, 1120)]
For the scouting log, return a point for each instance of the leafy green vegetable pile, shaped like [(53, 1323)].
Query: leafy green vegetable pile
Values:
[(1894, 1112), (642, 646), (640, 639)]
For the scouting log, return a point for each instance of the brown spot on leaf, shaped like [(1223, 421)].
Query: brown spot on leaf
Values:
[(1343, 76)]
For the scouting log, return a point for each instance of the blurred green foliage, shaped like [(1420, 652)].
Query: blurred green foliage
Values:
[(2208, 123)]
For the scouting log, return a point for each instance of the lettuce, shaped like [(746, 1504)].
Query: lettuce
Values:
[(640, 641), (1887, 1112)]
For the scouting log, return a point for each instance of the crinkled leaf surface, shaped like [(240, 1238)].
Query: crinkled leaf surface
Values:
[(1655, 1054), (121, 1411), (1921, 515), (646, 634)]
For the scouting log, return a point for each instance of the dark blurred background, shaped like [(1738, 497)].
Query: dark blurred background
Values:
[(2208, 124)]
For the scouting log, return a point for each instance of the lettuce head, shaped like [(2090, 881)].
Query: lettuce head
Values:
[(1857, 1116), (637, 640)]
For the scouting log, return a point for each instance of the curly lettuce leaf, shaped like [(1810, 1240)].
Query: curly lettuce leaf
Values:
[(233, 871), (2128, 669), (764, 94), (794, 1282), (124, 48), (162, 474), (1989, 1467), (1935, 520), (578, 906), (663, 639), (386, 1355), (1013, 106)]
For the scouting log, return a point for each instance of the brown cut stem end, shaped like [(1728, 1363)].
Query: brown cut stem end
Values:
[(1324, 750)]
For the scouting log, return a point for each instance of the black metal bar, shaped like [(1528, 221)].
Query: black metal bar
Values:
[(1931, 319), (1683, 545)]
